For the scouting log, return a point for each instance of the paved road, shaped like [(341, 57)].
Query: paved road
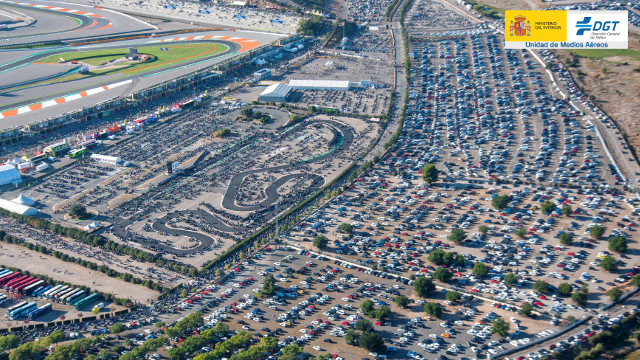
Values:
[(400, 85), (618, 309)]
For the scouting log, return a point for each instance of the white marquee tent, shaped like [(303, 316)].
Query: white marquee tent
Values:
[(9, 175), (17, 208), (23, 200)]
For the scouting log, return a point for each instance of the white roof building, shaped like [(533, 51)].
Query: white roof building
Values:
[(9, 175), (23, 200), (276, 92), (113, 160), (320, 84), (17, 208)]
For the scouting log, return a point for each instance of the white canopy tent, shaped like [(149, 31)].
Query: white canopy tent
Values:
[(23, 200), (92, 226)]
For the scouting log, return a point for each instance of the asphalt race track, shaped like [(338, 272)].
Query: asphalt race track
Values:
[(32, 93), (29, 91), (90, 22), (45, 23), (18, 61), (42, 54), (343, 137)]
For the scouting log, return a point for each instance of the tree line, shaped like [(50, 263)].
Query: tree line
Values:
[(197, 342), (257, 235), (311, 27), (101, 242), (52, 282), (10, 239), (234, 343)]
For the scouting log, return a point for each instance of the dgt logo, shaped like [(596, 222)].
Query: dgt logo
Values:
[(585, 25)]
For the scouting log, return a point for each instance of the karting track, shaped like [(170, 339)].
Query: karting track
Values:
[(342, 134), (343, 139), (271, 191)]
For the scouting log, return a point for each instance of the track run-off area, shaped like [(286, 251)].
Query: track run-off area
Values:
[(73, 55)]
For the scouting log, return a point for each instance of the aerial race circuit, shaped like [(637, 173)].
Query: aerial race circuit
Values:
[(54, 53)]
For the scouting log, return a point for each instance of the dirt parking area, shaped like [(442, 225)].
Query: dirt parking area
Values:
[(318, 299), (17, 256), (68, 246), (612, 82)]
